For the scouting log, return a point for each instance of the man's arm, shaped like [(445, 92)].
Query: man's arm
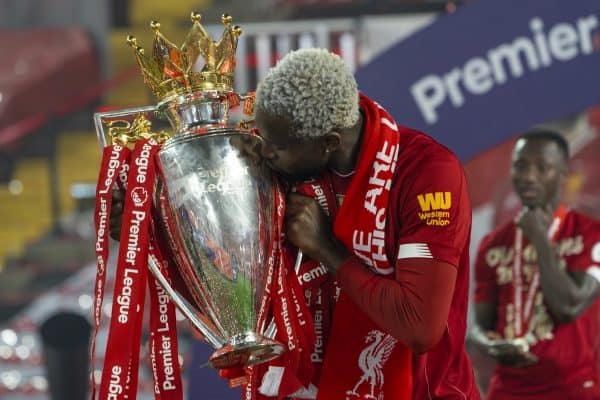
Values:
[(413, 307), (414, 304), (485, 298), (567, 295)]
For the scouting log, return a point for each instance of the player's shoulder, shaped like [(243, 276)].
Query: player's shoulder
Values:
[(418, 142), (420, 149), (501, 235), (577, 220)]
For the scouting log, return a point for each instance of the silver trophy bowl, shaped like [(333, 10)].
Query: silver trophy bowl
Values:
[(216, 209), (215, 201)]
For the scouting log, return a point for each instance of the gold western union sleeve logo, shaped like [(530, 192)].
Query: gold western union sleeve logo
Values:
[(435, 208)]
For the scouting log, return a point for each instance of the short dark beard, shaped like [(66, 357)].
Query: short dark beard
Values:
[(294, 178)]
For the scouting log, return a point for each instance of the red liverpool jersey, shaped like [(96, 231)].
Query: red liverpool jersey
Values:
[(567, 367), (429, 217)]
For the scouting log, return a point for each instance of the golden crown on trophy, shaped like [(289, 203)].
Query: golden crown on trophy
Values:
[(172, 71)]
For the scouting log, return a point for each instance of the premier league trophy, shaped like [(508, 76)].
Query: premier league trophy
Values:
[(214, 197)]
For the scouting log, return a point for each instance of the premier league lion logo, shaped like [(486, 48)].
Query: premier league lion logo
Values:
[(139, 195)]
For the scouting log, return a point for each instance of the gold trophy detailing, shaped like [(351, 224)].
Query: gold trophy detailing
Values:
[(126, 134), (171, 70)]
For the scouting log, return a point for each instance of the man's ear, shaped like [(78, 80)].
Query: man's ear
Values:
[(332, 141)]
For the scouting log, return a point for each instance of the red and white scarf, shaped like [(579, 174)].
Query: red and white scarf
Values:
[(362, 360), (284, 301)]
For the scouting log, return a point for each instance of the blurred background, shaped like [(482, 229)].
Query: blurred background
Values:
[(473, 74)]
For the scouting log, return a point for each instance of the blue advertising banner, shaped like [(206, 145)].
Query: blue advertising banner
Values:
[(492, 69)]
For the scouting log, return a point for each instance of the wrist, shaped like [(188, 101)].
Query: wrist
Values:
[(335, 254), (481, 338)]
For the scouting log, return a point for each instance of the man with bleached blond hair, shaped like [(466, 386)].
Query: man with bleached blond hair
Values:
[(384, 210)]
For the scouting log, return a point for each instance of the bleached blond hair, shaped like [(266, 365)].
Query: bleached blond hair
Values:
[(313, 89)]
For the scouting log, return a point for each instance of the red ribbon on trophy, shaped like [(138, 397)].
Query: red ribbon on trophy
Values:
[(164, 349), (320, 290), (304, 327), (114, 157), (293, 370), (120, 373)]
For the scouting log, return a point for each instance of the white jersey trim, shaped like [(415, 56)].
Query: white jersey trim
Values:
[(414, 250)]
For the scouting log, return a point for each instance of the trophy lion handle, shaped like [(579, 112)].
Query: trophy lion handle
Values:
[(196, 318)]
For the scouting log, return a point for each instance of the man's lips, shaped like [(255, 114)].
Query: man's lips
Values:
[(528, 192)]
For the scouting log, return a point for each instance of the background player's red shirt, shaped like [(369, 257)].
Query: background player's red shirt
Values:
[(429, 217), (567, 368)]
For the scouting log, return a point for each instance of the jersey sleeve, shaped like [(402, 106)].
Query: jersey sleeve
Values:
[(583, 252), (435, 214), (486, 287)]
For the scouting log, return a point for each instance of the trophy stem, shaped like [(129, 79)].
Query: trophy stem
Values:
[(244, 350), (180, 302)]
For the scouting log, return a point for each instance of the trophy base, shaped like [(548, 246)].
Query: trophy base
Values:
[(245, 350)]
